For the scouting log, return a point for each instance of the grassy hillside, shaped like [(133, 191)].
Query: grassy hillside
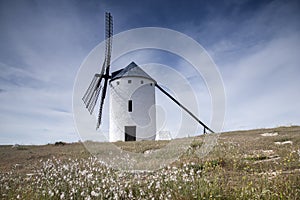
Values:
[(254, 164)]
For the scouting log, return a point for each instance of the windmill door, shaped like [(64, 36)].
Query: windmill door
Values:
[(130, 133)]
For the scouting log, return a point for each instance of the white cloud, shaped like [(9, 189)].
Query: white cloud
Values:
[(262, 87), (32, 109)]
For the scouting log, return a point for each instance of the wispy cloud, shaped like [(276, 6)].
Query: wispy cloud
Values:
[(259, 66), (261, 87), (26, 112)]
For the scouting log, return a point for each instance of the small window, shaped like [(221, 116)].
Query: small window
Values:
[(118, 83), (142, 82), (129, 81), (130, 106), (151, 84)]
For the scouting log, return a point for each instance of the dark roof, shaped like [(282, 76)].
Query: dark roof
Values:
[(131, 70)]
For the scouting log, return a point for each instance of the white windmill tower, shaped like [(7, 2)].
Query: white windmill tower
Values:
[(132, 98), (132, 105)]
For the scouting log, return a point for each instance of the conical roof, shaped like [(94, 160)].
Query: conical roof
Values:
[(132, 70)]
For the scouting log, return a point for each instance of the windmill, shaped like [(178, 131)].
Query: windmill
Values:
[(132, 97)]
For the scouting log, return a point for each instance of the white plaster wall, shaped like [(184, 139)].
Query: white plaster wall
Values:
[(143, 114)]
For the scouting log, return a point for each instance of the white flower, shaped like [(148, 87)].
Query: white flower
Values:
[(88, 197), (65, 167), (83, 172), (62, 196), (51, 193), (89, 176), (157, 185), (94, 194)]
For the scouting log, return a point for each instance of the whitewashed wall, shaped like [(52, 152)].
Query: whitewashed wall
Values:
[(143, 114)]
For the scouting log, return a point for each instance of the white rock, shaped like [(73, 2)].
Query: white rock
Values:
[(269, 134), (285, 142)]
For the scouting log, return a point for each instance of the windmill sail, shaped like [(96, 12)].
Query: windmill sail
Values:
[(108, 48), (89, 92), (94, 99), (92, 93), (101, 106), (90, 96)]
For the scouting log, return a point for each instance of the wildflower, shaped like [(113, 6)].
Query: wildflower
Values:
[(94, 194), (89, 176), (157, 185), (51, 193), (65, 167)]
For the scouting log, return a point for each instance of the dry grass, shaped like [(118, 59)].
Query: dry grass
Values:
[(244, 165), (142, 146)]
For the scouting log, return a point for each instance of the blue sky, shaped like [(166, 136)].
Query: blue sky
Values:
[(255, 45)]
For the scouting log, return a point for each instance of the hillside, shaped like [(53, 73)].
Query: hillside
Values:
[(254, 164)]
